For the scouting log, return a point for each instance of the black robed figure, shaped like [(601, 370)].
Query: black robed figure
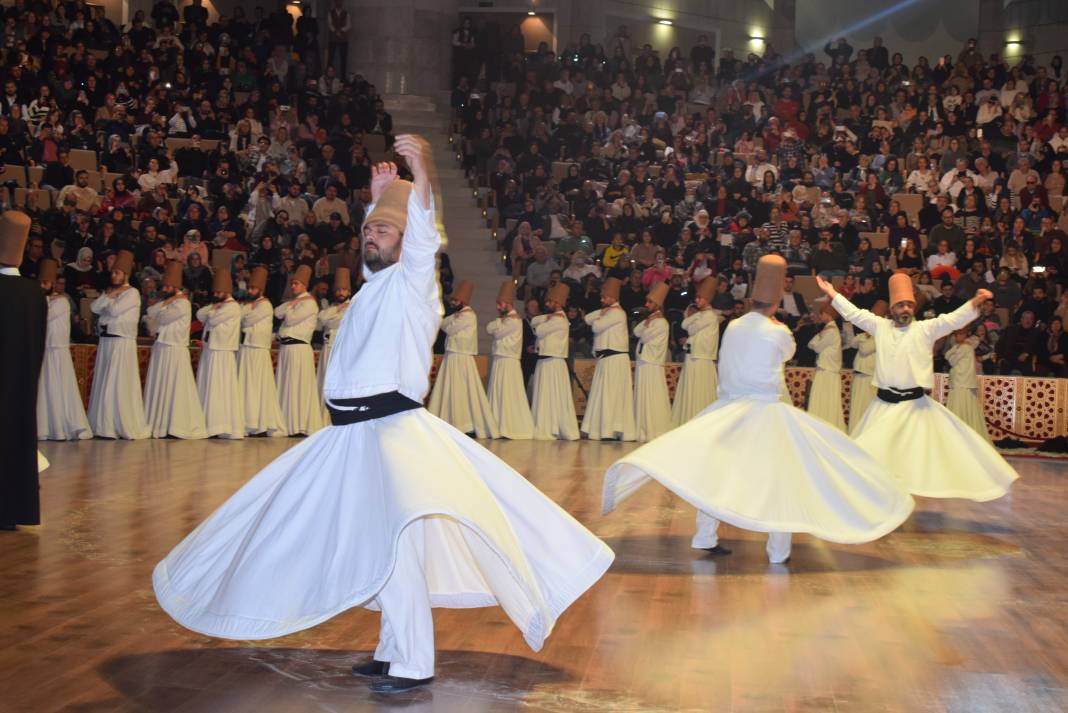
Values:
[(23, 318)]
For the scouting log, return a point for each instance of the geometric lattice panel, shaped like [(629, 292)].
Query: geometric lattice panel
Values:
[(1038, 408), (999, 399)]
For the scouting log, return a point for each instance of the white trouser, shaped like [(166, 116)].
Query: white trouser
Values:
[(707, 536), (406, 638)]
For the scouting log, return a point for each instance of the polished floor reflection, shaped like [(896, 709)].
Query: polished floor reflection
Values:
[(965, 609)]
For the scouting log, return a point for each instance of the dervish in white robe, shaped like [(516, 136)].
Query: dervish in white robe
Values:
[(862, 391), (825, 395), (172, 405), (652, 403), (759, 464), (255, 372), (507, 395), (116, 406), (298, 390), (932, 452), (610, 407), (963, 400), (552, 404), (217, 384), (699, 380), (329, 321), (458, 396), (60, 413), (391, 508)]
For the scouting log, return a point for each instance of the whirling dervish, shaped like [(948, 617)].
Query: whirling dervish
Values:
[(757, 463)]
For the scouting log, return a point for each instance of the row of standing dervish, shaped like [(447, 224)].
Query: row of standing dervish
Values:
[(393, 509), (234, 392), (637, 407)]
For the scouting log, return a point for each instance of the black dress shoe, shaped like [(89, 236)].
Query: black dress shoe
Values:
[(396, 684), (371, 668), (718, 551)]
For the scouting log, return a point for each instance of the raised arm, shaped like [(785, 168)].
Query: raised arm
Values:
[(961, 317), (850, 312)]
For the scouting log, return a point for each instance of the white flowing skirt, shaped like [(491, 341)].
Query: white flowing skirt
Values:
[(861, 395), (965, 405), (552, 405), (459, 399), (298, 391), (255, 378), (316, 533), (652, 405), (765, 466), (220, 394), (116, 407), (42, 462), (508, 400), (932, 452), (610, 407), (696, 390), (60, 413), (172, 405), (825, 398)]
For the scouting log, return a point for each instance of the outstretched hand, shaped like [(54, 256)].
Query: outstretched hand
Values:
[(826, 287), (416, 153), (982, 296), (382, 174)]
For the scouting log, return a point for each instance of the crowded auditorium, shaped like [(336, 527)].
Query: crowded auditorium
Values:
[(323, 315)]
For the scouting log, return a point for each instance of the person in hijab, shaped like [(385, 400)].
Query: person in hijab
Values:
[(79, 274)]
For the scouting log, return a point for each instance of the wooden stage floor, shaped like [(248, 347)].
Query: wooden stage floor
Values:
[(963, 610)]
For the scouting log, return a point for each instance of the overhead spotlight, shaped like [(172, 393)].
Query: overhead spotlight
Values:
[(1013, 43), (665, 22), (531, 13), (474, 193), (756, 38)]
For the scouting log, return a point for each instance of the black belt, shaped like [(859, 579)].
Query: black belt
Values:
[(369, 408), (602, 353), (287, 341), (104, 334), (895, 396)]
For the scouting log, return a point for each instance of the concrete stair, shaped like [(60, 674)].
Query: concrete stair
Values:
[(470, 245)]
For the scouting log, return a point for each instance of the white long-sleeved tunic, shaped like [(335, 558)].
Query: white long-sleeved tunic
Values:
[(461, 332), (962, 363), (257, 324), (864, 361), (903, 356), (609, 326), (652, 341), (299, 318), (57, 332), (828, 347), (751, 360), (551, 332), (172, 321), (507, 333), (703, 330), (386, 337), (222, 324), (329, 320), (119, 313)]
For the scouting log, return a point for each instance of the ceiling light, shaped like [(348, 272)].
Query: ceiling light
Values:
[(531, 13), (664, 22)]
